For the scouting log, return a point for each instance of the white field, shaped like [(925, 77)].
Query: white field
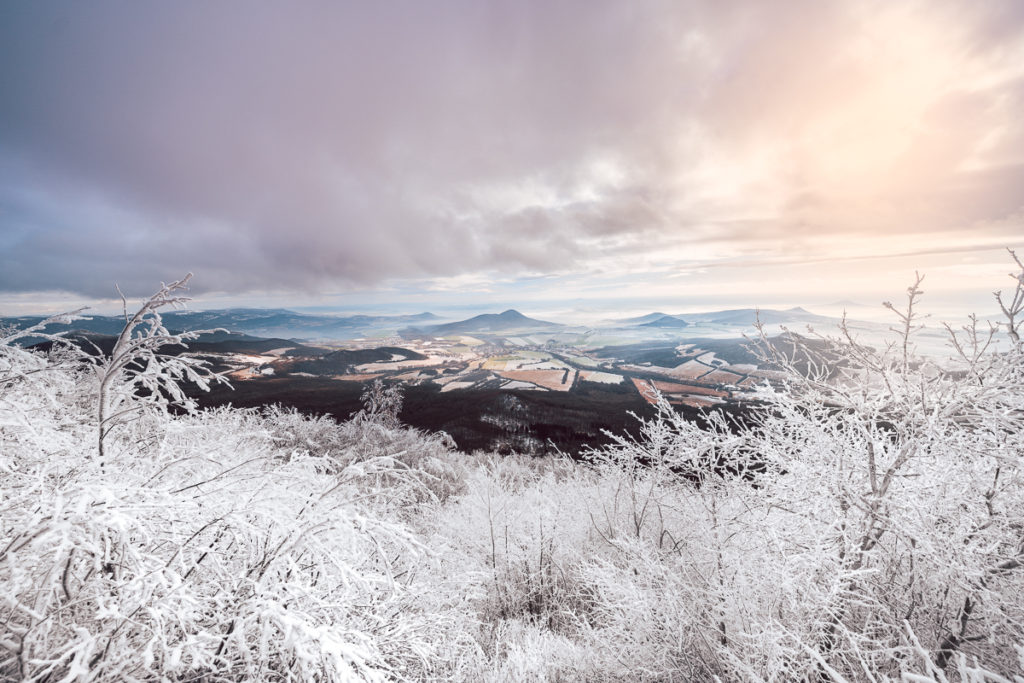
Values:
[(722, 377), (516, 384), (585, 361), (409, 376), (742, 368), (691, 369), (398, 365), (602, 377), (248, 359), (542, 363), (453, 386)]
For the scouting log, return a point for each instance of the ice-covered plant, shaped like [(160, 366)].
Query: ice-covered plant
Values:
[(33, 382), (886, 499), (139, 374), (382, 403), (210, 550)]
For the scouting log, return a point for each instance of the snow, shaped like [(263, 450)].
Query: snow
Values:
[(602, 377), (452, 386)]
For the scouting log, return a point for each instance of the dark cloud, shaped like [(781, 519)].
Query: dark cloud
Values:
[(283, 146)]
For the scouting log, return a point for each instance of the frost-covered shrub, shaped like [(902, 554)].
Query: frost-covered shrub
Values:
[(138, 379), (526, 651), (39, 395), (211, 556), (420, 466), (883, 520), (203, 549), (521, 548), (864, 524)]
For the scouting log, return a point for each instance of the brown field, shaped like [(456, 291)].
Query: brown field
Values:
[(389, 366), (356, 378), (691, 369), (409, 376), (742, 368), (645, 389), (655, 369), (674, 388), (697, 402), (678, 393), (769, 374), (602, 377), (721, 377), (549, 379)]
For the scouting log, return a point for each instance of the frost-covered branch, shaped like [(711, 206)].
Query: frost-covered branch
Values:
[(1013, 310), (137, 376), (10, 370)]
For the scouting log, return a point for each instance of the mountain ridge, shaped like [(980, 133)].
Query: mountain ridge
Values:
[(666, 322), (261, 322), (510, 319)]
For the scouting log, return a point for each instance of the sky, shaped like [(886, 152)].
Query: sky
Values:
[(577, 155)]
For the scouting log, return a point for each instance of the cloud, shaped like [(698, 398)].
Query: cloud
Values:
[(344, 145)]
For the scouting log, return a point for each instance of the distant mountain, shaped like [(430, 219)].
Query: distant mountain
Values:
[(643, 319), (747, 316), (731, 317), (216, 342), (233, 342), (261, 322), (95, 324), (667, 322), (510, 320), (285, 323)]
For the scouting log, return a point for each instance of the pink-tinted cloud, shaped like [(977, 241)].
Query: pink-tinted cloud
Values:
[(347, 144)]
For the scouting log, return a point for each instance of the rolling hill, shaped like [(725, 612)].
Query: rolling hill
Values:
[(508, 321), (261, 322), (747, 316), (643, 319), (666, 322)]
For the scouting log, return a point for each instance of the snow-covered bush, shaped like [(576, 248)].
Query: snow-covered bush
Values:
[(216, 557), (36, 385), (883, 518), (205, 547), (420, 466), (864, 522), (137, 378)]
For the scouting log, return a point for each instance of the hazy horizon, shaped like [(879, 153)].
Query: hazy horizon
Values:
[(552, 157), (571, 312)]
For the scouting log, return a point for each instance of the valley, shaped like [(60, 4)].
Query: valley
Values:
[(500, 382), (522, 386)]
